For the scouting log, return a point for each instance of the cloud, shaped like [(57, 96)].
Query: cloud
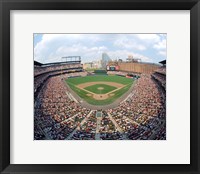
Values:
[(156, 41), (148, 37), (52, 47), (129, 43), (47, 51), (162, 53), (161, 45)]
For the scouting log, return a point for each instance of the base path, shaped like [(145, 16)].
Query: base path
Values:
[(84, 85), (100, 96), (83, 103)]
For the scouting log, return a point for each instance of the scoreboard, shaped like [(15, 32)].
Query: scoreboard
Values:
[(112, 68)]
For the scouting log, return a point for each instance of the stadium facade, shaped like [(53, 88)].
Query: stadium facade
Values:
[(136, 67)]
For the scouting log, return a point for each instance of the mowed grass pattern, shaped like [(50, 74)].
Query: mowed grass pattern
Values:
[(96, 88), (111, 78), (72, 82)]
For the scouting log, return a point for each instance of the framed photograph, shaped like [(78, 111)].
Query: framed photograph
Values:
[(101, 87), (93, 96)]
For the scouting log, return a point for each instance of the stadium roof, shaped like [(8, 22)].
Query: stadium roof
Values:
[(54, 63), (37, 63), (60, 63), (163, 62)]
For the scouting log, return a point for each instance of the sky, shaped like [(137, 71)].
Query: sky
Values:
[(147, 47)]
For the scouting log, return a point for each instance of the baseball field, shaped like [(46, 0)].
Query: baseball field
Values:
[(100, 89)]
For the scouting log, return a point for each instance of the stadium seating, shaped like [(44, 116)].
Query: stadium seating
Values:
[(57, 116)]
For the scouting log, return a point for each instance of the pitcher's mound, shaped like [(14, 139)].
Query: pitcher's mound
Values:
[(100, 88)]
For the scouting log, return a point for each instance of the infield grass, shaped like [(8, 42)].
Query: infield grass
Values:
[(96, 88)]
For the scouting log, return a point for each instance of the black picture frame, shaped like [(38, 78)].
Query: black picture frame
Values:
[(7, 5)]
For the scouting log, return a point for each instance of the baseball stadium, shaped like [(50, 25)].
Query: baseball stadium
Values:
[(126, 100)]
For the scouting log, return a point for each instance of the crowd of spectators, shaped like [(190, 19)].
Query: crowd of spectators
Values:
[(87, 130), (107, 130), (143, 111), (160, 78), (162, 70), (59, 67), (57, 116), (40, 80)]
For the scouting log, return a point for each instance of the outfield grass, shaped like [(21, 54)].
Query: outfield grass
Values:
[(106, 88), (72, 82), (118, 79)]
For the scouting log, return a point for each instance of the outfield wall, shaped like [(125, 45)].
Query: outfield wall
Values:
[(137, 67)]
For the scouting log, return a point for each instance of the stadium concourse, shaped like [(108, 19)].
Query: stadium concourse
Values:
[(58, 115)]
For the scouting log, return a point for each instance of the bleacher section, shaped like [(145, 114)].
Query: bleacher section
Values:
[(58, 116), (42, 72)]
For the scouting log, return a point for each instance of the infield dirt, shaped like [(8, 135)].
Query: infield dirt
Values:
[(99, 90), (100, 96), (84, 85)]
